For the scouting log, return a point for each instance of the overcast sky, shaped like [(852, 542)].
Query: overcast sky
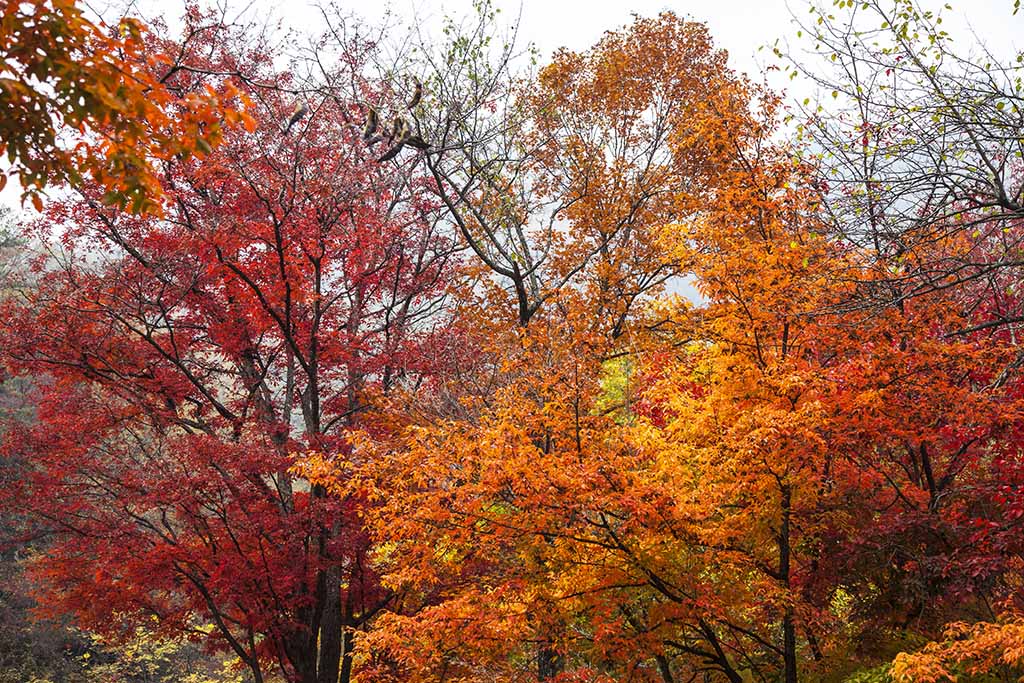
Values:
[(739, 26)]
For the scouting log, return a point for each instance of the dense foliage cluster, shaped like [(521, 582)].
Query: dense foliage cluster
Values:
[(327, 374)]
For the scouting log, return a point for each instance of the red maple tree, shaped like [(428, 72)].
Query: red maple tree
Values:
[(183, 362)]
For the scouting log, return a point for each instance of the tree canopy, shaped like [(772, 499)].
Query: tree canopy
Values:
[(335, 366)]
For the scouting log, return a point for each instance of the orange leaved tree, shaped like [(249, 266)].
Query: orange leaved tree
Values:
[(548, 522), (86, 102)]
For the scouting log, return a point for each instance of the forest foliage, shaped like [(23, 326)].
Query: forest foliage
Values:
[(334, 365)]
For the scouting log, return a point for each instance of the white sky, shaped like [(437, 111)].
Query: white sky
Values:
[(739, 26)]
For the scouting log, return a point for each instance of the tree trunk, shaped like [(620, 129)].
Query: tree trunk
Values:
[(330, 629), (346, 656), (549, 662), (788, 625)]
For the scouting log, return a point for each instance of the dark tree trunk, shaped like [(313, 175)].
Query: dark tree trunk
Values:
[(346, 656), (788, 625), (549, 662), (330, 629)]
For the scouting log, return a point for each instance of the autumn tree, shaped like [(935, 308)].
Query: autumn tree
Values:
[(88, 102), (917, 138), (918, 143), (288, 284), (539, 524), (734, 507), (496, 139), (929, 424)]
